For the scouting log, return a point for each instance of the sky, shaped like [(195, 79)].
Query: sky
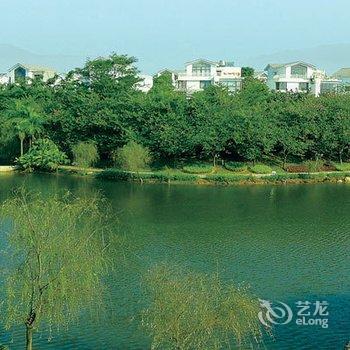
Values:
[(167, 33)]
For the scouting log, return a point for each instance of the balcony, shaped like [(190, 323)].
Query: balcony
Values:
[(196, 74), (291, 76)]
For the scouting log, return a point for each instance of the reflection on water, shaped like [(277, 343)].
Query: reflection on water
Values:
[(289, 243)]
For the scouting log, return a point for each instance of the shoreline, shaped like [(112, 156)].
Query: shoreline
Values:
[(151, 177)]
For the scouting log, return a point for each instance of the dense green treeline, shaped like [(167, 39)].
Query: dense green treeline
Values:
[(99, 103)]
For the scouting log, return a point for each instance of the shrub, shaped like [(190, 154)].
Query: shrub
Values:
[(280, 177), (236, 167), (132, 157), (296, 168), (85, 154), (314, 177), (342, 167), (314, 165), (197, 168), (260, 169), (43, 155), (119, 175), (227, 179)]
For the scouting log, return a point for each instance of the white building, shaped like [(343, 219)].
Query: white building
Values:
[(261, 76), (26, 71), (201, 73), (3, 79), (146, 83), (295, 77)]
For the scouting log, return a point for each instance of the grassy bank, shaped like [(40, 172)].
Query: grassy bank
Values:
[(223, 179), (220, 176)]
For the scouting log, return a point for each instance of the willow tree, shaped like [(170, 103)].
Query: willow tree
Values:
[(59, 253), (193, 311)]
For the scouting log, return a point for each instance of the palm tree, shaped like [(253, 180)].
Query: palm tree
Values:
[(26, 120)]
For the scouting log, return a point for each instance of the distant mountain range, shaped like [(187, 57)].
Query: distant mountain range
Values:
[(10, 55), (328, 57)]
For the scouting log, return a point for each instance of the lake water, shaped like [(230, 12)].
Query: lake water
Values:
[(289, 243)]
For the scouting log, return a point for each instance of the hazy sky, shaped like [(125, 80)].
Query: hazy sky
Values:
[(164, 33)]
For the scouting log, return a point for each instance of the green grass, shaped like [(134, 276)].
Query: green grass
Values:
[(236, 167), (314, 166), (159, 176), (222, 178), (260, 169), (278, 169), (197, 168), (342, 167)]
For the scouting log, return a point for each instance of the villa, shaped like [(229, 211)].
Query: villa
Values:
[(201, 73), (297, 76), (26, 71), (300, 77), (294, 77)]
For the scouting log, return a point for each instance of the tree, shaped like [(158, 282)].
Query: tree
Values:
[(85, 154), (289, 133), (110, 76), (44, 155), (253, 93), (316, 128), (26, 119), (163, 124), (133, 157), (192, 311), (337, 114), (247, 72), (162, 83), (253, 133), (97, 102), (57, 258), (210, 121)]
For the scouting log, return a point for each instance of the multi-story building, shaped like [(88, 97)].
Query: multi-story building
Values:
[(300, 77), (26, 71), (294, 77), (201, 73)]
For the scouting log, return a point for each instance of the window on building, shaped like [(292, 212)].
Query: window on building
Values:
[(20, 73), (303, 86), (38, 76), (232, 85), (204, 83), (201, 69), (281, 86), (330, 86), (181, 84), (299, 70)]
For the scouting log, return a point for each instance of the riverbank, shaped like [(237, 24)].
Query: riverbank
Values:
[(7, 168), (225, 179)]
